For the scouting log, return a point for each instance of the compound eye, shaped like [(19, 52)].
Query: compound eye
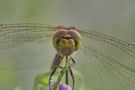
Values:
[(59, 34), (76, 35), (72, 27)]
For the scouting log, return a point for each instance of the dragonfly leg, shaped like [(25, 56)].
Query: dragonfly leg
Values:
[(54, 67), (66, 76), (56, 61), (73, 60), (59, 67), (51, 77), (72, 75), (67, 82), (73, 64), (71, 72)]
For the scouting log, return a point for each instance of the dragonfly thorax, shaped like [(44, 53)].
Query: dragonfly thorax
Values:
[(66, 41)]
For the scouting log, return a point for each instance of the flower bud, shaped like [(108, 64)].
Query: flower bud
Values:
[(65, 87)]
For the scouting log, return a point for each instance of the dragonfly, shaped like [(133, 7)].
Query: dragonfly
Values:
[(104, 62)]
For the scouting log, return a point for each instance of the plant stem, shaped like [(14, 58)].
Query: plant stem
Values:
[(63, 71)]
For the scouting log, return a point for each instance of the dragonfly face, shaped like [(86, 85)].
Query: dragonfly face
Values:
[(66, 40)]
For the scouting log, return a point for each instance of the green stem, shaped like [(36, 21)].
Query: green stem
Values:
[(65, 68)]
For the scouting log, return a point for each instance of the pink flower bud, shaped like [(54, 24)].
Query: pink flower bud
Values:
[(65, 87)]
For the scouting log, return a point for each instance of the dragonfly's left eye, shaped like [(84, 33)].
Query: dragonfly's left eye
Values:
[(74, 34), (59, 34)]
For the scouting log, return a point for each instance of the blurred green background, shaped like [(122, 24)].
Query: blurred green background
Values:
[(19, 66)]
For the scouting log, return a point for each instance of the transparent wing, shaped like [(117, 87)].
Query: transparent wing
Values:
[(12, 35), (25, 46), (106, 63)]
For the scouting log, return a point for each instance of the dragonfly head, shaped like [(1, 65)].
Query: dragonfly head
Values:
[(66, 40)]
